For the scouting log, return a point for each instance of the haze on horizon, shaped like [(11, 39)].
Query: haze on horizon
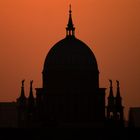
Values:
[(29, 28)]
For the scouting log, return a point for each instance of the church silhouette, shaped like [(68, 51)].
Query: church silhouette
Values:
[(70, 95)]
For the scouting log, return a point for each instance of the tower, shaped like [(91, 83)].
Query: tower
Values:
[(119, 107), (111, 103), (31, 107), (22, 108), (115, 108)]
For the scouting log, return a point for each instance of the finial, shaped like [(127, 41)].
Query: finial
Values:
[(70, 9), (110, 82), (31, 83), (118, 83), (22, 95), (23, 83), (111, 89)]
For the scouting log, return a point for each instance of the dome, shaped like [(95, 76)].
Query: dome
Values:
[(70, 65), (70, 51)]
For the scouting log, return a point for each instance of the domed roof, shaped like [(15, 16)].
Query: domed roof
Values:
[(70, 51), (70, 64)]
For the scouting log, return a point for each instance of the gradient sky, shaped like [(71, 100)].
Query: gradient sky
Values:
[(29, 28)]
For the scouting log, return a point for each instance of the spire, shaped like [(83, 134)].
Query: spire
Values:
[(22, 96), (111, 96), (31, 103), (31, 90), (118, 89), (118, 104), (111, 102), (111, 89), (70, 30), (118, 96), (31, 98)]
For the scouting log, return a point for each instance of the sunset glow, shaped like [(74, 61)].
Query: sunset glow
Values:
[(29, 28)]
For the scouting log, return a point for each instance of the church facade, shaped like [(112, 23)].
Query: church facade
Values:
[(70, 95)]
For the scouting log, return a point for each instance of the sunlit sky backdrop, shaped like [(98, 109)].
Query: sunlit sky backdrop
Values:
[(29, 28)]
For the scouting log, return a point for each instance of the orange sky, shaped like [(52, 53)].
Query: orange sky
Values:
[(29, 28)]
